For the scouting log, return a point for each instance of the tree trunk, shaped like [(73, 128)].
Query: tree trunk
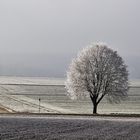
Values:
[(94, 101), (95, 109)]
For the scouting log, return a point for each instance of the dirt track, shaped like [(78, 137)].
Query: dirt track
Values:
[(3, 110), (46, 128)]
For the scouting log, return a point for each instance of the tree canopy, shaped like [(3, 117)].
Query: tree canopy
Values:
[(97, 71)]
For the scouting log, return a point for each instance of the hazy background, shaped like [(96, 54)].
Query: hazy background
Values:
[(40, 37)]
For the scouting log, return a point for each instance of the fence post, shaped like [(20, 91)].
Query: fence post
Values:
[(39, 104)]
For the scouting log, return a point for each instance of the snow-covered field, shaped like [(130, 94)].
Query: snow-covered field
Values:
[(21, 94), (69, 128), (31, 80)]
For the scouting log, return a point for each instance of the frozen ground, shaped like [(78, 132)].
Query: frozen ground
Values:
[(69, 128), (45, 81), (21, 94), (31, 80)]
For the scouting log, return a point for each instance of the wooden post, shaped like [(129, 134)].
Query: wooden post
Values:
[(39, 104)]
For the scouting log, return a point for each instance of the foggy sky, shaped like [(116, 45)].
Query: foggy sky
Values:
[(40, 37)]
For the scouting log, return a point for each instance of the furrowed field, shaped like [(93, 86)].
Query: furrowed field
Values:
[(22, 95)]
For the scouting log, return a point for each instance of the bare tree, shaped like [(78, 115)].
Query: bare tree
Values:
[(97, 71)]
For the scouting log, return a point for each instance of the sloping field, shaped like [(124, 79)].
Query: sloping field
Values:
[(31, 80), (16, 102), (22, 94), (69, 128)]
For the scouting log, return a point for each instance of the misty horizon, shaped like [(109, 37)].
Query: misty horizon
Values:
[(40, 38)]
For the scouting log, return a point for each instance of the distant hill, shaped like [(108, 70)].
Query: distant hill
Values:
[(45, 81), (31, 80)]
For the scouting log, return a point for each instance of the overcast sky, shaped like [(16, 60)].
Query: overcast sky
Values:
[(40, 37)]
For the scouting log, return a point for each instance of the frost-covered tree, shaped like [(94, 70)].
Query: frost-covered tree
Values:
[(97, 71)]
